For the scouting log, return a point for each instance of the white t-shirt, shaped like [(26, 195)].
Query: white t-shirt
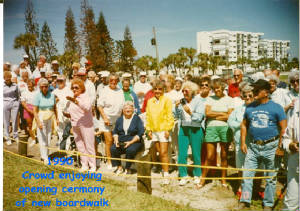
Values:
[(111, 101), (26, 70), (28, 97), (141, 87), (61, 94), (22, 87), (219, 105), (91, 90), (174, 96)]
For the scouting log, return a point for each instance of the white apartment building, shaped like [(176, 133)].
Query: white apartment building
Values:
[(277, 49), (240, 44)]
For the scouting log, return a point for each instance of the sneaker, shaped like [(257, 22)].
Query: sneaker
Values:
[(46, 161), (119, 171), (183, 181), (83, 168), (93, 169), (166, 181), (31, 142), (8, 143), (109, 167), (196, 180)]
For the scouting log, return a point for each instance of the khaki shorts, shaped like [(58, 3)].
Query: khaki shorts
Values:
[(103, 127)]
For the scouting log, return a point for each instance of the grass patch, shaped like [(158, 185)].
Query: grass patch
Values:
[(115, 192)]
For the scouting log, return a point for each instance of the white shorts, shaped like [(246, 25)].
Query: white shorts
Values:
[(103, 127), (160, 136)]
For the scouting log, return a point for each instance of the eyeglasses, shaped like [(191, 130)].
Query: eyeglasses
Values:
[(184, 90), (206, 85), (249, 95), (75, 87), (158, 88)]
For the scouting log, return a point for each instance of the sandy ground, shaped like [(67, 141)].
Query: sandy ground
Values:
[(211, 197)]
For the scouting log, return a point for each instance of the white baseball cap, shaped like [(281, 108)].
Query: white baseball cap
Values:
[(143, 73)]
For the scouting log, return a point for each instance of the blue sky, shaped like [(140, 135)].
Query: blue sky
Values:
[(176, 21)]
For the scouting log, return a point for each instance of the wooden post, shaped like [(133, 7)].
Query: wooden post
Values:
[(144, 184), (22, 147)]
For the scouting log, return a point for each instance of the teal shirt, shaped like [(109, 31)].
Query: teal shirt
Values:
[(44, 102)]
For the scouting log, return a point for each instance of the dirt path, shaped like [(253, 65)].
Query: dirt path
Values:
[(211, 197)]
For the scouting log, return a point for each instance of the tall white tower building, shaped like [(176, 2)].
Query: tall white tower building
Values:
[(232, 45)]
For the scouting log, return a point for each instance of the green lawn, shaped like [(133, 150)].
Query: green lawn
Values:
[(115, 192)]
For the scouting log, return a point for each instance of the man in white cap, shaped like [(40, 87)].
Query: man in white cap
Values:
[(23, 68), (26, 60), (60, 94), (128, 77), (55, 67), (141, 87), (89, 86)]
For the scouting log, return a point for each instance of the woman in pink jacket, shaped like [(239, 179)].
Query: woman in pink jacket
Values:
[(80, 111)]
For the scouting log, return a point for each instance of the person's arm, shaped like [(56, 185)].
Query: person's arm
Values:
[(198, 113), (243, 136), (36, 116), (282, 125), (233, 122), (169, 117), (24, 104), (103, 115), (213, 114)]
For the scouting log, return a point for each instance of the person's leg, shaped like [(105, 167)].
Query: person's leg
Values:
[(269, 163), (131, 152), (80, 145), (115, 153), (6, 120), (29, 128), (66, 135), (183, 143), (108, 143), (196, 137), (210, 158), (89, 142), (163, 155), (14, 119), (251, 162), (291, 199), (42, 137), (224, 152)]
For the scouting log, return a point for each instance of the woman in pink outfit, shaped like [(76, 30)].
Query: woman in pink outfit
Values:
[(80, 111)]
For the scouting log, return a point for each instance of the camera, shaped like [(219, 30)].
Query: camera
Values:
[(121, 144), (183, 101)]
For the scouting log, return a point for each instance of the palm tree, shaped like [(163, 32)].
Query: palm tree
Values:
[(26, 41)]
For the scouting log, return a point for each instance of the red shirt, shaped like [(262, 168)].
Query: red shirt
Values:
[(147, 97), (233, 90)]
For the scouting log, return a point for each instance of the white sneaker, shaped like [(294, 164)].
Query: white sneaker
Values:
[(93, 169), (8, 143), (119, 171), (83, 168), (109, 167), (196, 180), (46, 161), (183, 181), (166, 180)]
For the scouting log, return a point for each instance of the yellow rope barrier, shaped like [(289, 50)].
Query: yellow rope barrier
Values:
[(151, 162), (138, 176)]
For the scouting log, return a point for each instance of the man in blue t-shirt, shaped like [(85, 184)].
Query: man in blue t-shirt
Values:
[(265, 121)]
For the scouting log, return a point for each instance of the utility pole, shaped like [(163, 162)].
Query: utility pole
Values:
[(155, 43)]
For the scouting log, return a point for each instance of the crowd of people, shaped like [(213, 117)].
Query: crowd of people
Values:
[(259, 117)]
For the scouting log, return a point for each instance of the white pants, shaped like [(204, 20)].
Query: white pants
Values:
[(291, 199), (44, 137)]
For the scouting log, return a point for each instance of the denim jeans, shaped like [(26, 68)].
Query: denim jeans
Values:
[(257, 155)]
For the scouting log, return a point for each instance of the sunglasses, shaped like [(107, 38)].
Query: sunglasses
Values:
[(75, 87), (202, 85), (160, 89)]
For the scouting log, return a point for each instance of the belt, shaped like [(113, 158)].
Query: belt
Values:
[(264, 142)]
